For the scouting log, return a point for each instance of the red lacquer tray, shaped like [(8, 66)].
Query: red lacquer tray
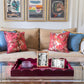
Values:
[(17, 70)]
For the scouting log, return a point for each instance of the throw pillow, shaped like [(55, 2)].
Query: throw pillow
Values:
[(3, 44), (58, 42), (82, 46), (74, 41), (15, 42)]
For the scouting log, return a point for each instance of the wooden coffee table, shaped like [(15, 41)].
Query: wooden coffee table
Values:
[(5, 75)]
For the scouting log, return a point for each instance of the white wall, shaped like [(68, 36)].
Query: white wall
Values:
[(47, 25), (81, 16)]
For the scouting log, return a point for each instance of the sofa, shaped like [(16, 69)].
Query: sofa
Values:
[(37, 39)]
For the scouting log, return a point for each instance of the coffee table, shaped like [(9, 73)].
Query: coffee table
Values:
[(5, 75)]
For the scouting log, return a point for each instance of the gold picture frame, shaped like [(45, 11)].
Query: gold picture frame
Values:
[(42, 59), (57, 10), (14, 10), (35, 12)]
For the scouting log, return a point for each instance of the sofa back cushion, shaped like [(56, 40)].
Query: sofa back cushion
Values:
[(31, 36), (45, 36)]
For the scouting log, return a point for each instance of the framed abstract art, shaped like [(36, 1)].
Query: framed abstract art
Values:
[(14, 10), (57, 10), (42, 59), (36, 10)]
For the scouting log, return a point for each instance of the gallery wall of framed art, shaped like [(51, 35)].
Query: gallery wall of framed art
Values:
[(36, 10), (57, 10), (14, 10)]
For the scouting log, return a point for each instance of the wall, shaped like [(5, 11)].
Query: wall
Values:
[(81, 16), (47, 25)]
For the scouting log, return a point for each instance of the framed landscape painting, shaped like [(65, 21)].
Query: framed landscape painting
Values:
[(42, 59), (14, 10), (36, 10), (57, 10)]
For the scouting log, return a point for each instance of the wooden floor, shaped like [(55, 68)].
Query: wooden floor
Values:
[(45, 83)]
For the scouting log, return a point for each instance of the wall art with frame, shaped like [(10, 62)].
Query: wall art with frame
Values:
[(14, 10), (36, 10), (57, 10), (42, 59)]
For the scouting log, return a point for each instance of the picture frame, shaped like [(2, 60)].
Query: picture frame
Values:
[(42, 58), (57, 10), (35, 10), (58, 63), (14, 10)]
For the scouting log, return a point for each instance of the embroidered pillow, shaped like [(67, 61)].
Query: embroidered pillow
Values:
[(15, 42), (58, 42)]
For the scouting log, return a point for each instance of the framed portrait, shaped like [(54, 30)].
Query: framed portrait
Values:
[(35, 10), (42, 59), (14, 10), (58, 63), (57, 10)]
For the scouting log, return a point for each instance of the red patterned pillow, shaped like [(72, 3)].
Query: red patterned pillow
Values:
[(58, 42), (15, 42)]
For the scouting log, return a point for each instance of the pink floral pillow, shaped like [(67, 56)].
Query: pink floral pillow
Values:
[(15, 42), (58, 42)]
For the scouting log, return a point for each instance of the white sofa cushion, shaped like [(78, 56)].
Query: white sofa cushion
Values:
[(31, 53), (71, 56)]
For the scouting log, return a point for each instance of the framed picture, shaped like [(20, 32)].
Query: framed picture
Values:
[(58, 63), (57, 10), (42, 60), (35, 10), (14, 10)]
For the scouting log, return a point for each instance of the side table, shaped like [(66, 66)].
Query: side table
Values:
[(82, 64), (2, 70), (77, 70)]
